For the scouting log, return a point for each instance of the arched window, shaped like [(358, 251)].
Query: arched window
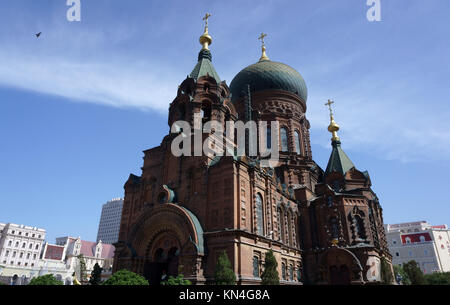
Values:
[(291, 272), (269, 138), (259, 215), (422, 238), (256, 266), (284, 139), (360, 227), (297, 142), (299, 274), (283, 271), (334, 227)]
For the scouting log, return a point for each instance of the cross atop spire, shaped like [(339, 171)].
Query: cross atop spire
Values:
[(330, 102), (333, 127), (261, 37), (206, 18), (263, 47), (206, 39)]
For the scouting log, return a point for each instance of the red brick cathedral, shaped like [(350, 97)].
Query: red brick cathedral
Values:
[(181, 213)]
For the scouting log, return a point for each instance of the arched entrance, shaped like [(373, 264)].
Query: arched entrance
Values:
[(340, 275), (339, 266), (166, 238), (162, 258)]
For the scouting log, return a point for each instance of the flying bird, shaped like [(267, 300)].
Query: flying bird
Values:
[(38, 34)]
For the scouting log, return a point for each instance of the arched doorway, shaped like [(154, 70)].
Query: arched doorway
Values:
[(162, 259), (340, 276)]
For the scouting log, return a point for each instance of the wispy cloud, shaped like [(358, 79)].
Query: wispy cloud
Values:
[(119, 84)]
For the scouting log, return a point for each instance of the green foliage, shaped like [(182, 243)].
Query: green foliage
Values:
[(179, 280), (386, 272), (438, 278), (414, 273), (96, 275), (125, 277), (47, 279), (270, 274), (82, 266), (398, 270), (223, 274)]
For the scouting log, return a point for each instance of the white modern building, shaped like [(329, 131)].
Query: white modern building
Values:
[(108, 229), (428, 245), (20, 249)]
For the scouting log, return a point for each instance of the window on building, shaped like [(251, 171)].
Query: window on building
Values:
[(299, 274), (20, 233), (269, 138), (283, 271), (394, 242), (425, 252), (28, 255), (397, 254), (33, 235), (284, 139), (31, 246), (14, 254), (26, 234), (256, 266), (408, 240), (10, 243), (7, 253), (291, 272), (259, 215), (17, 244), (410, 253), (21, 255), (297, 142), (13, 232), (37, 247), (422, 238), (23, 245)]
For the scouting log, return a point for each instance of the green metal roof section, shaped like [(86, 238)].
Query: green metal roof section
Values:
[(204, 67), (267, 74), (339, 161), (198, 230)]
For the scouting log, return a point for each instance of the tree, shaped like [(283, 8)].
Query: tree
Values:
[(82, 268), (223, 274), (401, 276), (125, 277), (96, 275), (270, 274), (438, 278), (414, 273), (179, 280), (386, 272), (47, 279)]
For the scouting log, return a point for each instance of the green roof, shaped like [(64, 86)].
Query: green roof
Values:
[(339, 161), (204, 67), (267, 74)]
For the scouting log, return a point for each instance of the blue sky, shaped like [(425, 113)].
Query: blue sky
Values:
[(80, 103)]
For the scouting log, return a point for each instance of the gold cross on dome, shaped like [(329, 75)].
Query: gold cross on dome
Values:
[(261, 37), (330, 102), (206, 18)]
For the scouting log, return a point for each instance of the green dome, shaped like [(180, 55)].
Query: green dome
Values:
[(268, 74)]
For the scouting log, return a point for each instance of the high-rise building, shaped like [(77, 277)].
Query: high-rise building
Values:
[(182, 212), (428, 245), (108, 229)]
